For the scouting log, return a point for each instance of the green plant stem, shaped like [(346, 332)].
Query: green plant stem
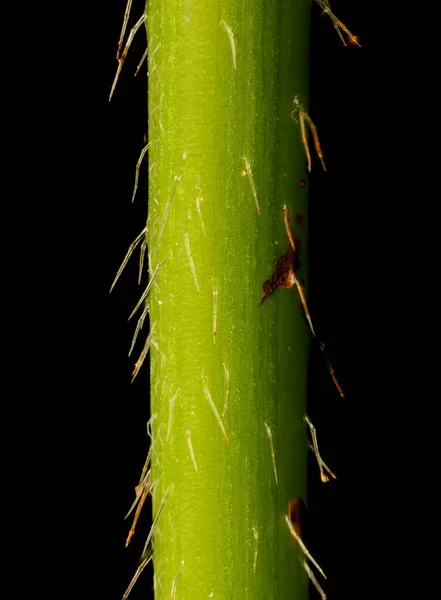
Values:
[(212, 110)]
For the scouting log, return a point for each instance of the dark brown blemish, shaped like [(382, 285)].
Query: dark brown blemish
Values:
[(283, 275), (298, 220), (296, 514), (302, 183)]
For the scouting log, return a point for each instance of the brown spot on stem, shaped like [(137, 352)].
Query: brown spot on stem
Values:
[(296, 513), (283, 275)]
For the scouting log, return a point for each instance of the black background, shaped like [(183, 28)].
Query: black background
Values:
[(343, 300)]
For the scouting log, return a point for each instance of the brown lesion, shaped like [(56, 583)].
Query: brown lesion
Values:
[(294, 522), (296, 514), (284, 274)]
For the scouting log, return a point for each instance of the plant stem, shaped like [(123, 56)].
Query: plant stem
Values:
[(228, 378)]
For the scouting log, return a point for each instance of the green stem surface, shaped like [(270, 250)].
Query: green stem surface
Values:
[(221, 533)]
